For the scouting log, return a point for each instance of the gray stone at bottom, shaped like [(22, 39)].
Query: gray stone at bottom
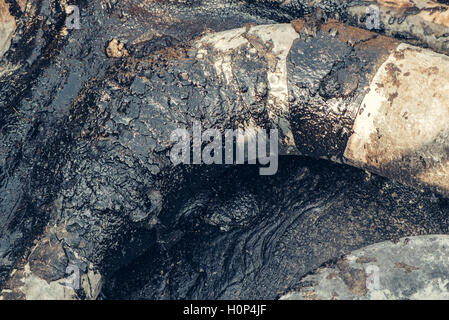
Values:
[(414, 268)]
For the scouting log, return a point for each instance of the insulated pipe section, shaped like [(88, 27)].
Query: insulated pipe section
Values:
[(421, 22), (418, 22), (351, 96)]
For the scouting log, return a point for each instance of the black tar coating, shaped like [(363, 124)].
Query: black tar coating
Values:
[(84, 143), (327, 80), (319, 70), (127, 175)]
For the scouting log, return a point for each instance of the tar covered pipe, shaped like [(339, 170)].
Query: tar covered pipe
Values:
[(335, 92), (351, 96), (418, 22)]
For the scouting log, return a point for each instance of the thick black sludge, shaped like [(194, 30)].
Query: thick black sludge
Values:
[(86, 179), (235, 242)]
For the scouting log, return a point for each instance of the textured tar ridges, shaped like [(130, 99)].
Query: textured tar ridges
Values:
[(266, 244), (328, 74)]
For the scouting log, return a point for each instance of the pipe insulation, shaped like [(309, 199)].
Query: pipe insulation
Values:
[(351, 96)]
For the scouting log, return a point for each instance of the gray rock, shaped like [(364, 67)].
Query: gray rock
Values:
[(413, 268)]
